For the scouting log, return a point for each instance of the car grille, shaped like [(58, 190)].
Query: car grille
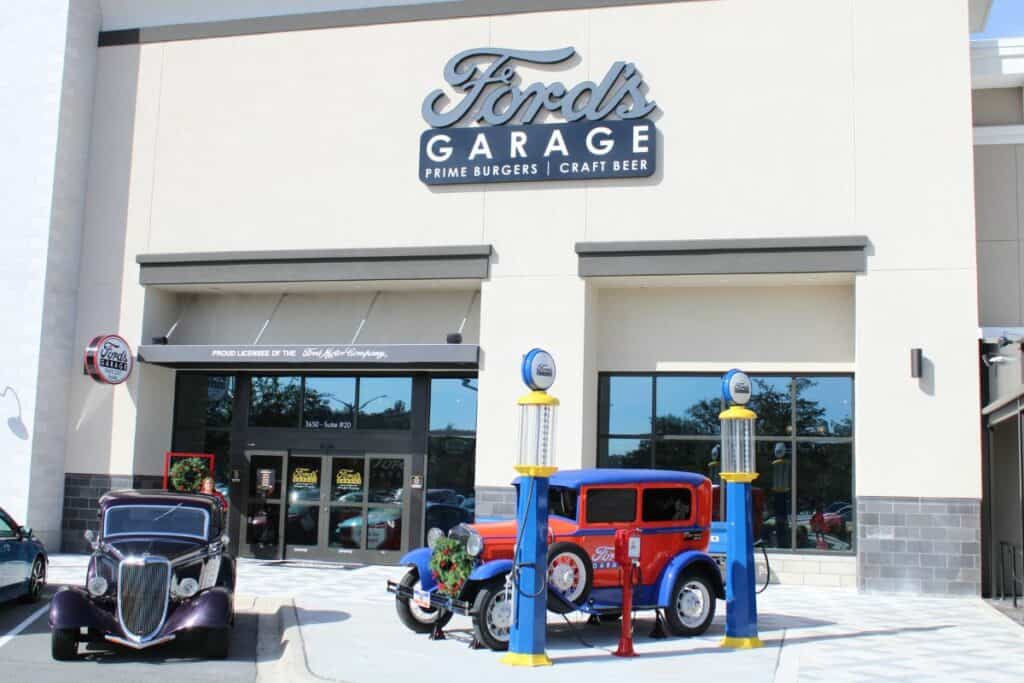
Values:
[(142, 593)]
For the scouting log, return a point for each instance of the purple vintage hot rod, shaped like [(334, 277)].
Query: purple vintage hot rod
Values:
[(159, 569)]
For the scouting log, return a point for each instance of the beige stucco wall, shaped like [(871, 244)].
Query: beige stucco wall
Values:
[(790, 118)]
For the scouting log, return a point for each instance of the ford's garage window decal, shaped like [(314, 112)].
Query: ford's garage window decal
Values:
[(606, 133)]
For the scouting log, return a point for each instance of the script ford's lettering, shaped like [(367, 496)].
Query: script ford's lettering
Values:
[(496, 99)]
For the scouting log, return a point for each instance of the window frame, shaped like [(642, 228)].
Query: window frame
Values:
[(793, 439)]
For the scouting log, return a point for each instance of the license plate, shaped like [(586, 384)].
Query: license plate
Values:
[(421, 598)]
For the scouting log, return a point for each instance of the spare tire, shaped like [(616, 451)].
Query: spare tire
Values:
[(571, 573)]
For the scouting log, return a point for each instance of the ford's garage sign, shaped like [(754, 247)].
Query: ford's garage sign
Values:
[(606, 133), (109, 359)]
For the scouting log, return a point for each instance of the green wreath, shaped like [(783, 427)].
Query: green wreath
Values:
[(187, 474), (450, 566)]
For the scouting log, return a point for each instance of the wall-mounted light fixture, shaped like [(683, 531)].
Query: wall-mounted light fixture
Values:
[(15, 424), (915, 362)]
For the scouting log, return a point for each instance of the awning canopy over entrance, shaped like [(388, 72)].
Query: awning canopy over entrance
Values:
[(326, 356)]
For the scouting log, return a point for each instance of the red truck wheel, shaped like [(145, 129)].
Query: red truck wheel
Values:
[(692, 606)]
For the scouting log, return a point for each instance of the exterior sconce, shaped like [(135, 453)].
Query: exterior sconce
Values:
[(915, 363)]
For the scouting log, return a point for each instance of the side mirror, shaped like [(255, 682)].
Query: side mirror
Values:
[(26, 531)]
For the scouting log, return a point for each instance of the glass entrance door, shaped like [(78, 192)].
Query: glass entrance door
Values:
[(262, 501), (352, 507)]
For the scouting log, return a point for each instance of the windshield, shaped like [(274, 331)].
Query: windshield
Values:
[(562, 502), (156, 520)]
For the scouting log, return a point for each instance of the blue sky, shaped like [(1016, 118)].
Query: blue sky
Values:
[(1006, 18)]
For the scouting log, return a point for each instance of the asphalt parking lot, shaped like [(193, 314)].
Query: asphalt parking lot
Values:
[(25, 655)]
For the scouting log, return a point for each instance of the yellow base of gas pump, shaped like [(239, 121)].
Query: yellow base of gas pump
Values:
[(741, 643), (520, 659)]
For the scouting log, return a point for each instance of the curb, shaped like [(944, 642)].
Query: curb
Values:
[(280, 650)]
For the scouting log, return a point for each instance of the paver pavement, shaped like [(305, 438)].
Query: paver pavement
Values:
[(348, 631)]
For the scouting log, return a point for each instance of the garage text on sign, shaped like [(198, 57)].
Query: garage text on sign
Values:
[(586, 146)]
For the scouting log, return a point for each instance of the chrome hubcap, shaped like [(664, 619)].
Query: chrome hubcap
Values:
[(565, 574), (692, 604), (499, 616)]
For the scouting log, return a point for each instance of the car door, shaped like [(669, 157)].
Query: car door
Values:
[(10, 555)]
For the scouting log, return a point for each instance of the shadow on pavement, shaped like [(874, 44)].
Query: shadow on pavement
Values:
[(309, 617), (186, 647), (768, 642)]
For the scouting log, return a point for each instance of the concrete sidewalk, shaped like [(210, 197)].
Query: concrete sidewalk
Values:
[(810, 634), (343, 627)]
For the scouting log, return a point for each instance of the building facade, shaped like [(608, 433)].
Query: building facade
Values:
[(329, 235)]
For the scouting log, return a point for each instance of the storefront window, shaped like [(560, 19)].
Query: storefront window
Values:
[(203, 411), (824, 504), (204, 401), (630, 453), (804, 446), (453, 405), (824, 406), (274, 401), (773, 403), (629, 405), (328, 402), (688, 405), (385, 403), (451, 453)]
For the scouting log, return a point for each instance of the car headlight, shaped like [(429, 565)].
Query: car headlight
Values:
[(474, 543), (433, 536), (97, 586), (187, 588)]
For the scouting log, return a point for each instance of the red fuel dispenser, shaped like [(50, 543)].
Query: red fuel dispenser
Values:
[(627, 556)]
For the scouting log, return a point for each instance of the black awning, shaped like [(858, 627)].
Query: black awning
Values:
[(381, 356)]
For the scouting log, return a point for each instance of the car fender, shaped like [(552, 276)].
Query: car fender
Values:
[(71, 608), (680, 563), (489, 570), (420, 558), (212, 608)]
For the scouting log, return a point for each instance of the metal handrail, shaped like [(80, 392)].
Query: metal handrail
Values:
[(1016, 578)]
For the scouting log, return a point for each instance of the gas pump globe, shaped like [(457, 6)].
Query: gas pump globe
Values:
[(537, 412)]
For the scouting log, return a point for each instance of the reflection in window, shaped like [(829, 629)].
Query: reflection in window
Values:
[(688, 405), (385, 403), (204, 401), (451, 468), (384, 528), (631, 453), (386, 480), (824, 490), (453, 405), (774, 480), (824, 406), (328, 402), (629, 405), (773, 404), (274, 401), (346, 529), (687, 456)]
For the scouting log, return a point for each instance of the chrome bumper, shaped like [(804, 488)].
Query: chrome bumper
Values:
[(139, 646)]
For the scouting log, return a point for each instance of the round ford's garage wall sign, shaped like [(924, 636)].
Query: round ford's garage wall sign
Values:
[(109, 359), (538, 370), (736, 387)]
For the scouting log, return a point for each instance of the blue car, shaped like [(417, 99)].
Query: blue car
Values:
[(22, 562)]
